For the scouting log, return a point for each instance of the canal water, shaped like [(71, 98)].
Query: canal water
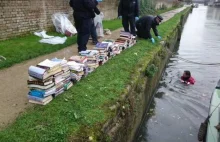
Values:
[(177, 109)]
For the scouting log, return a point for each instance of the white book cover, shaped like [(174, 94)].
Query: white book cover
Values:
[(48, 63)]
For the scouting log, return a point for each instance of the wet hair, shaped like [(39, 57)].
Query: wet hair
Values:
[(187, 73)]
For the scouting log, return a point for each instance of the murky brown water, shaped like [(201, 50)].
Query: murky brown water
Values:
[(177, 110)]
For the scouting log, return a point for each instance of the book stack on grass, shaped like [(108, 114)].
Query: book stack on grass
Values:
[(92, 59), (76, 70), (56, 71), (81, 60), (62, 79), (128, 37), (121, 43), (103, 48), (113, 48), (41, 90), (41, 82)]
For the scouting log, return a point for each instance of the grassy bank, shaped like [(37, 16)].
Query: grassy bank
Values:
[(85, 107), (19, 49)]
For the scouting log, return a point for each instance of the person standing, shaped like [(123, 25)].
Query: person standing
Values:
[(144, 25), (83, 15), (128, 10)]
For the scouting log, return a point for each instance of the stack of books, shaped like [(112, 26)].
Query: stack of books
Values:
[(103, 48), (41, 88), (62, 79), (81, 60), (131, 40), (76, 70), (57, 76), (115, 50), (92, 59), (41, 82), (121, 43)]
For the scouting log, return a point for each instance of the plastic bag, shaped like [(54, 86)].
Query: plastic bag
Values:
[(42, 34), (54, 40), (98, 24), (62, 24)]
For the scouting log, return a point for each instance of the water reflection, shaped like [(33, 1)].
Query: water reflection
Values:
[(179, 109)]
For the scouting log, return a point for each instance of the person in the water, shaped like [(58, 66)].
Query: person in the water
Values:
[(187, 78)]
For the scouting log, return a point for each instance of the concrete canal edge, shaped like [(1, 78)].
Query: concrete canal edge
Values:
[(138, 94)]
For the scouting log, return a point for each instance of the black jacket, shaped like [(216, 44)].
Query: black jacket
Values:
[(128, 8), (146, 23), (83, 8)]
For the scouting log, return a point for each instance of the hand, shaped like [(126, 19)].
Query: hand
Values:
[(119, 17), (159, 37), (152, 40), (136, 18)]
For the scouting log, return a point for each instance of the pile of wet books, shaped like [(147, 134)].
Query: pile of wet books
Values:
[(81, 60), (41, 82), (103, 48), (62, 79), (47, 80), (76, 70), (126, 40), (92, 59), (121, 43), (115, 50), (112, 48)]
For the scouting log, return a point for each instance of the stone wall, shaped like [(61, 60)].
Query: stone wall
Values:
[(19, 17), (160, 3), (109, 8)]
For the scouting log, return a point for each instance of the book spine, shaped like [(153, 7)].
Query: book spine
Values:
[(35, 82)]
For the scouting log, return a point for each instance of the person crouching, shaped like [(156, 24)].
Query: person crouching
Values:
[(144, 25)]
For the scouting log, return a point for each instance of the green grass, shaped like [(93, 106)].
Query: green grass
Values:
[(20, 49), (85, 106), (166, 10), (112, 24)]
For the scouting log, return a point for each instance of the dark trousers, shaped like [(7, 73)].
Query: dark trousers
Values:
[(94, 33), (83, 27), (141, 31), (129, 20)]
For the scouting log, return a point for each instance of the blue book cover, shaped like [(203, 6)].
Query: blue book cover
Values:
[(37, 93), (101, 45), (36, 72)]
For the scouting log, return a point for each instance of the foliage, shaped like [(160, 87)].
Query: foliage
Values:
[(151, 70)]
